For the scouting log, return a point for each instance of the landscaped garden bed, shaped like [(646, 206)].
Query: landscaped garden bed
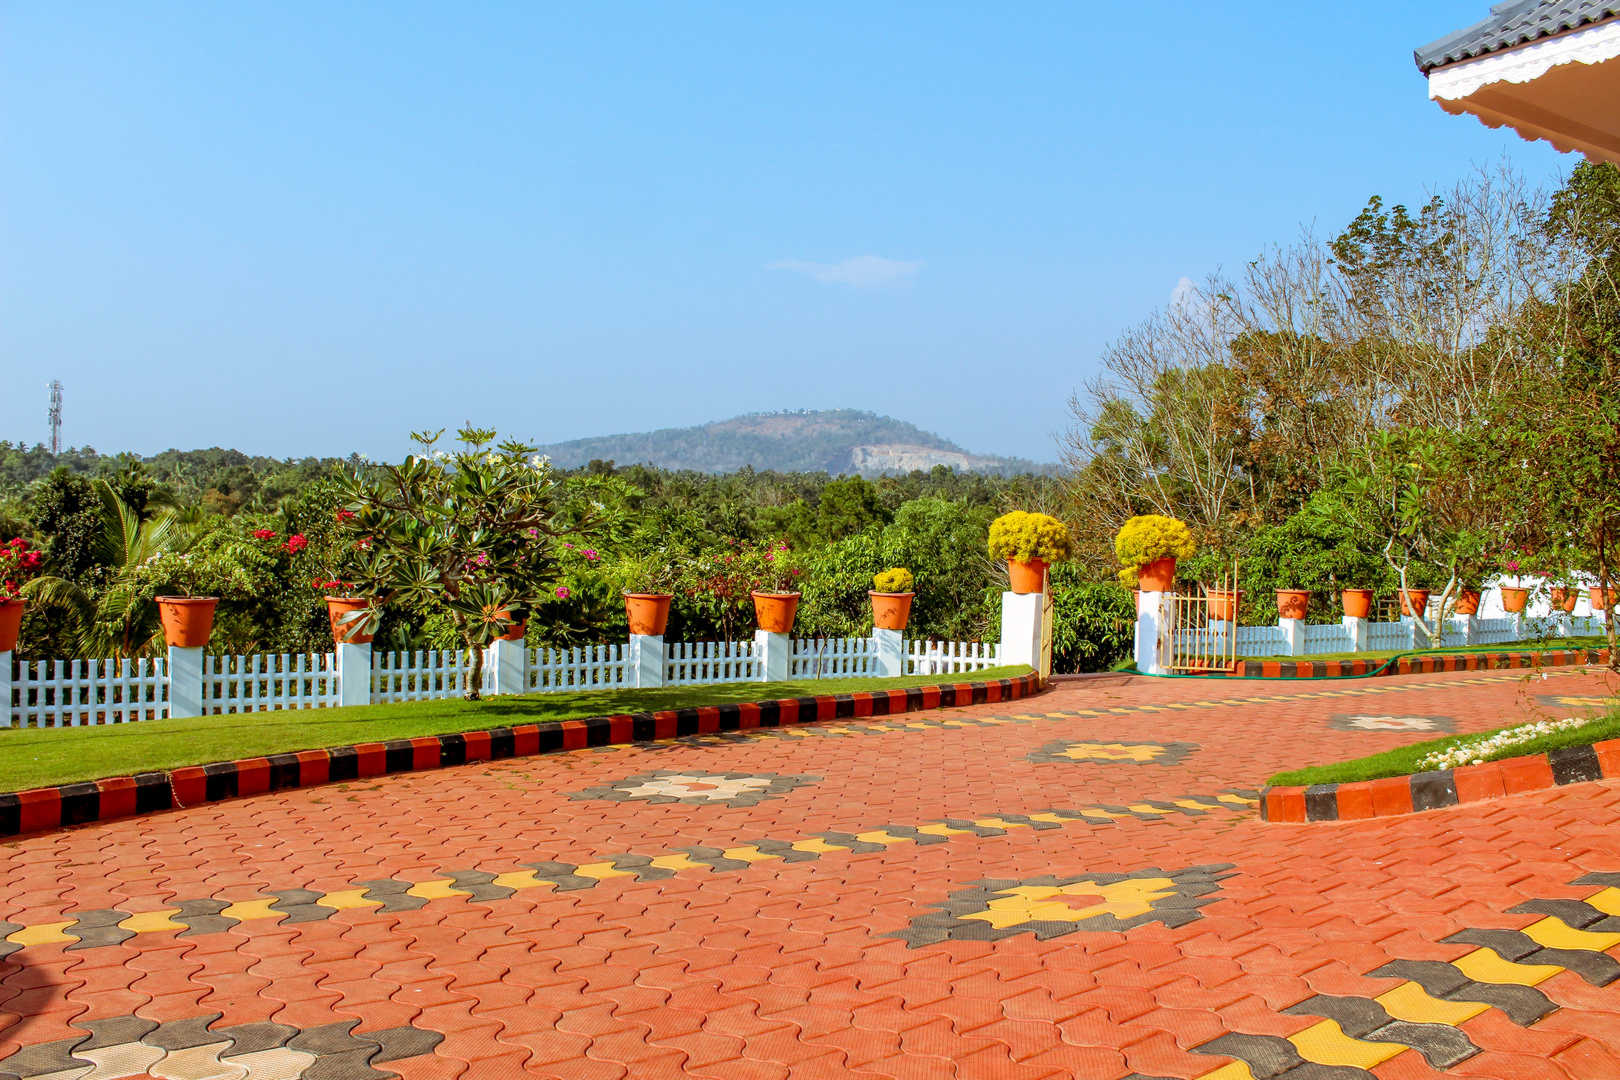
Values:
[(1444, 772), (34, 757), (82, 775)]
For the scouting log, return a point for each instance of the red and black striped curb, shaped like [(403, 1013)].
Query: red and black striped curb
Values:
[(1414, 665), (1397, 795), (42, 809)]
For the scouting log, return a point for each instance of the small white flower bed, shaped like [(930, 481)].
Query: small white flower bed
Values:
[(1478, 751)]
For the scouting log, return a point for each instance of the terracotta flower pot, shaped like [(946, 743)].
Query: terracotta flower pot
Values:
[(1357, 602), (1564, 599), (1223, 604), (1157, 576), (1414, 601), (187, 620), (774, 611), (1602, 599), (890, 610), (516, 632), (1026, 577), (347, 633), (648, 612), (1467, 603), (1513, 600), (1292, 603), (11, 611)]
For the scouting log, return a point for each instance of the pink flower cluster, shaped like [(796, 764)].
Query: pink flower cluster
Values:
[(18, 564)]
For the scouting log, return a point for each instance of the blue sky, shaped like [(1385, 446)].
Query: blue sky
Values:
[(311, 228)]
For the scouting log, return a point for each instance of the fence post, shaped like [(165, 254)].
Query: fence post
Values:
[(890, 649), (1153, 631), (510, 662), (185, 681), (1356, 627), (6, 718), (1293, 632), (1465, 626), (1021, 628), (648, 659), (354, 672), (775, 652)]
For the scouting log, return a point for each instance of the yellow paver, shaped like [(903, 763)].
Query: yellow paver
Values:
[(1483, 965), (436, 889), (251, 910), (151, 922), (1554, 933), (1327, 1044), (1412, 1003)]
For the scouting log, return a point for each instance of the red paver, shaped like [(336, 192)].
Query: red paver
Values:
[(1066, 909)]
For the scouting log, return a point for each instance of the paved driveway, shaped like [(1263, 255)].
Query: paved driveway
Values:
[(1070, 886)]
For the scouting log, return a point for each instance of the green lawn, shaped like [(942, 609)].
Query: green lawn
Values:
[(32, 757), (1403, 760), (1595, 642)]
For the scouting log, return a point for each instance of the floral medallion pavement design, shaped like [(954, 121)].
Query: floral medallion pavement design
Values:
[(696, 788), (1575, 701), (1052, 906), (1131, 753), (1379, 724)]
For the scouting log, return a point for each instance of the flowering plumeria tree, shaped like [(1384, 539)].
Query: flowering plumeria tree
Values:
[(472, 533)]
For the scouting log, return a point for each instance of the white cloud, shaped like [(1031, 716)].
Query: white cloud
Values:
[(861, 271), (1184, 293)]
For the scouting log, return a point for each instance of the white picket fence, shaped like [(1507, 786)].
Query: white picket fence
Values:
[(696, 663), (1325, 638), (74, 693), (950, 657), (233, 684), (833, 658)]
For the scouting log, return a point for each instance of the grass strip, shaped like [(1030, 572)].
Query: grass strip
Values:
[(1403, 760), (36, 757)]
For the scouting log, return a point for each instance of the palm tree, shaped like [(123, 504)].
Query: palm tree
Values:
[(118, 619)]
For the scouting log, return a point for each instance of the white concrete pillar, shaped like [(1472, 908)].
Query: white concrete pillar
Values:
[(1021, 628), (1464, 625), (1293, 636), (1519, 633), (1357, 629), (185, 681), (6, 719), (1563, 623), (648, 661), (775, 652), (509, 660), (891, 652), (354, 673), (1153, 630)]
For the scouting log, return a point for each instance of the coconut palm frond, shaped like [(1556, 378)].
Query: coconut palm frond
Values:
[(61, 594)]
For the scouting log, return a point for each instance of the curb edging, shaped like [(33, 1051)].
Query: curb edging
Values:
[(1414, 665), (44, 809), (1398, 796)]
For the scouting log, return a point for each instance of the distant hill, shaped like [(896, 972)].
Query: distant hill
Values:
[(831, 440)]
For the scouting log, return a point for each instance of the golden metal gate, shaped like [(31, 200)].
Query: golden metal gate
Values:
[(1203, 627)]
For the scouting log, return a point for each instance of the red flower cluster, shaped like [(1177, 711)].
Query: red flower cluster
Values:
[(18, 564), (264, 534), (340, 588), (345, 515), (295, 543)]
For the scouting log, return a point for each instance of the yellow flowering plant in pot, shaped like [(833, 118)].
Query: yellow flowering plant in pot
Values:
[(891, 598), (1148, 546), (1030, 543)]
